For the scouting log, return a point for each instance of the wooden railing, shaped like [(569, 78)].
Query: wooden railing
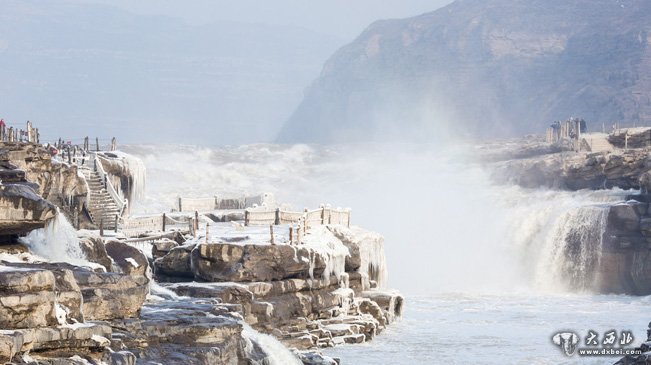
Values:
[(207, 204), (299, 222), (197, 204), (135, 226)]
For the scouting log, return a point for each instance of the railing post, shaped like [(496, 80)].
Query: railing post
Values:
[(163, 222), (300, 231), (271, 231), (348, 223), (322, 214), (277, 219), (246, 217)]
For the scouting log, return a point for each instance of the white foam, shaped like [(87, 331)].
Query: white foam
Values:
[(276, 353), (158, 292), (58, 242)]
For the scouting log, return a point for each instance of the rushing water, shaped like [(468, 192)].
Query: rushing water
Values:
[(522, 260)]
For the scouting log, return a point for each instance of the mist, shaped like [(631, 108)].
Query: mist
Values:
[(448, 227)]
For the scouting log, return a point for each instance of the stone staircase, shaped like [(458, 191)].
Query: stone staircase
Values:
[(101, 207), (597, 142)]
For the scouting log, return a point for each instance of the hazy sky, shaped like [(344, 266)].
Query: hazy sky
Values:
[(195, 72), (342, 18)]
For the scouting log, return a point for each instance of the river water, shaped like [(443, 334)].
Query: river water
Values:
[(498, 329), (490, 272)]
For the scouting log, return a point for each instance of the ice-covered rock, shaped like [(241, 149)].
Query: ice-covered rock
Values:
[(127, 173), (22, 210), (576, 171), (27, 298), (189, 332), (255, 262)]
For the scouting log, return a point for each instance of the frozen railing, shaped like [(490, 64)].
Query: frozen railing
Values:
[(143, 224), (85, 144), (122, 204), (197, 204), (299, 222), (136, 226), (206, 204)]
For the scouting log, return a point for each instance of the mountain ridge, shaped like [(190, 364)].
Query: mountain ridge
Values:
[(483, 68)]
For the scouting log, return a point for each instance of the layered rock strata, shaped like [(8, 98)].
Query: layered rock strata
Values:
[(307, 296)]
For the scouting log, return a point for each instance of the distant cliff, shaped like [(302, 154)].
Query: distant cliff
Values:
[(484, 68)]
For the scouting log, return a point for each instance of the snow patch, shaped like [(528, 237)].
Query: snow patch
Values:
[(101, 340), (61, 313), (132, 262)]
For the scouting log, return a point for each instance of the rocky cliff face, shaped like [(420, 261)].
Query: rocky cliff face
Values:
[(57, 182), (308, 296), (477, 68)]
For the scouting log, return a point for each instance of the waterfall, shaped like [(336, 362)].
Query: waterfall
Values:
[(573, 249), (58, 241), (556, 236), (266, 349)]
